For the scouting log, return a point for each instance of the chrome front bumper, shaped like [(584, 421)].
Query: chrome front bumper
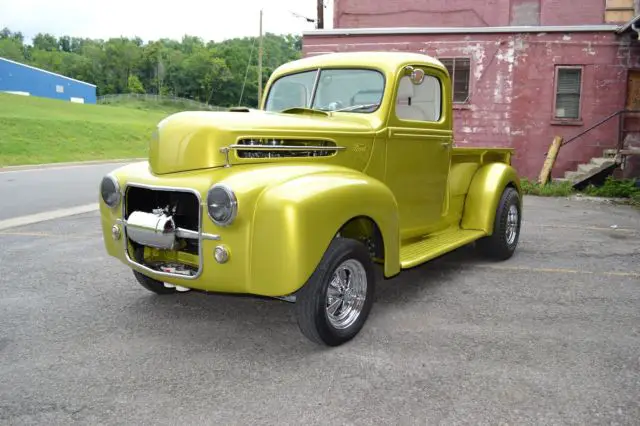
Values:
[(158, 230)]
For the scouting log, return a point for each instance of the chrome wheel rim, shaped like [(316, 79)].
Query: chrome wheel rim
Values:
[(346, 294), (512, 224)]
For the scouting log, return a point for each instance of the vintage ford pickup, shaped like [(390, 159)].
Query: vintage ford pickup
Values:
[(347, 165)]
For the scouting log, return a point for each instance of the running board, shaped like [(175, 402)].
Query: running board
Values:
[(417, 252)]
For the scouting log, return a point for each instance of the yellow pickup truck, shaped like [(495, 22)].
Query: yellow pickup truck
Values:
[(347, 164)]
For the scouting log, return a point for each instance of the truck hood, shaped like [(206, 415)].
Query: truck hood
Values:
[(193, 140)]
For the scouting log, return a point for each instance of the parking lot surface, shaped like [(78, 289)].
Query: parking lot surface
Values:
[(56, 188), (551, 336)]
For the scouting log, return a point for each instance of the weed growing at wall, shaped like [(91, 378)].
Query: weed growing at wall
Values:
[(551, 189), (614, 188)]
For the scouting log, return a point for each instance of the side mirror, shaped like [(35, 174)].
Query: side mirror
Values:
[(416, 75)]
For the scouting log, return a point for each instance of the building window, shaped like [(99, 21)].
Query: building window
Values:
[(460, 72), (59, 88), (568, 87)]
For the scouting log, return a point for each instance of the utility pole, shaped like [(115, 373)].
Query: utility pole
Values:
[(260, 62), (320, 12)]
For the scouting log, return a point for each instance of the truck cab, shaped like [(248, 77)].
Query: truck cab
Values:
[(348, 164)]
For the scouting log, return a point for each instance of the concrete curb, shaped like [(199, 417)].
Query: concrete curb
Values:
[(69, 164), (45, 216)]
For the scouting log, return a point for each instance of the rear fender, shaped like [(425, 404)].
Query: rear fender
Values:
[(484, 194), (296, 220)]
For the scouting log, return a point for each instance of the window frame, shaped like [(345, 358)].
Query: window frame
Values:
[(446, 116), (316, 82), (297, 72), (452, 76), (441, 112), (567, 120)]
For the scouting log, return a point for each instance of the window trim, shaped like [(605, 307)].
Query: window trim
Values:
[(453, 59), (441, 113), (319, 71), (561, 120), (267, 93), (394, 121)]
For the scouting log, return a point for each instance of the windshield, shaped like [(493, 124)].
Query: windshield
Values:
[(351, 90)]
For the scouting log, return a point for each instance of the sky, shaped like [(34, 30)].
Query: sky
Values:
[(209, 19)]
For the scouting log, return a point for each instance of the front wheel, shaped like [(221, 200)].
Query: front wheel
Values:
[(334, 304), (155, 286), (506, 228)]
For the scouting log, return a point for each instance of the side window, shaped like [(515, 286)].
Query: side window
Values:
[(568, 85), (419, 102)]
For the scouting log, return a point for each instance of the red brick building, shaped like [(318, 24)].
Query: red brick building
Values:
[(524, 71)]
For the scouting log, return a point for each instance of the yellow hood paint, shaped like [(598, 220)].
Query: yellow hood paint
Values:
[(193, 140)]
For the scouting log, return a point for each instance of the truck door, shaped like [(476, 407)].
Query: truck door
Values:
[(419, 150)]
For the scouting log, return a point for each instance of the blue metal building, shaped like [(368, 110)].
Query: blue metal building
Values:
[(27, 80)]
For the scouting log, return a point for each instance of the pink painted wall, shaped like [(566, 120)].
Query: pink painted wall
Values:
[(512, 87), (420, 13), (563, 12), (459, 13)]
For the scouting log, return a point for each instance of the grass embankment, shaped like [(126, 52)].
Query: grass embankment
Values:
[(166, 105), (37, 130), (612, 188)]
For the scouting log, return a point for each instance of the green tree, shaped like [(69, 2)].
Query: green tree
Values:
[(45, 42), (214, 72), (135, 85), (11, 49), (65, 43)]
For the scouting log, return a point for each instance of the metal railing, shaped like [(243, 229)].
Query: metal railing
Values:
[(107, 99), (621, 129)]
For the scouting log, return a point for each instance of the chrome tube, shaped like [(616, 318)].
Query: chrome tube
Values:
[(152, 230)]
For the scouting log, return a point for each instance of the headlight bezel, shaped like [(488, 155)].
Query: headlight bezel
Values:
[(117, 190), (233, 204)]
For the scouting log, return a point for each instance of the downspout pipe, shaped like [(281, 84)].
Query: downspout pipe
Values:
[(635, 28)]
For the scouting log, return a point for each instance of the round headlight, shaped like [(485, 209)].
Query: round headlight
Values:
[(110, 191), (222, 205)]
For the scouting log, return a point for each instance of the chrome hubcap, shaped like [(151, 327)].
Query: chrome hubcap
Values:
[(512, 224), (346, 294)]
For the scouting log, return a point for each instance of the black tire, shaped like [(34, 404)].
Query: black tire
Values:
[(498, 246), (311, 300), (153, 285)]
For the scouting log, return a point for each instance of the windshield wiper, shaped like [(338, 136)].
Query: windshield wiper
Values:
[(355, 107), (297, 110)]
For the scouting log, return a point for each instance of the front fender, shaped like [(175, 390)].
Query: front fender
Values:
[(295, 221), (484, 194)]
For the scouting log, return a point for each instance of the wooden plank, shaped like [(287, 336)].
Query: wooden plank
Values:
[(618, 17), (545, 173), (628, 4)]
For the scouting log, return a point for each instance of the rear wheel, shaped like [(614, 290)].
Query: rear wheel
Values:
[(506, 228), (334, 304)]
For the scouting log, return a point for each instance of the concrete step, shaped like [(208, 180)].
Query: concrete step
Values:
[(601, 161), (586, 172), (572, 176), (587, 168)]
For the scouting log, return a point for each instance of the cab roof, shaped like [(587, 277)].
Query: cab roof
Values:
[(386, 61)]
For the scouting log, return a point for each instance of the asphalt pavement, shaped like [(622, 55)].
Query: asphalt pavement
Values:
[(38, 190), (551, 336)]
